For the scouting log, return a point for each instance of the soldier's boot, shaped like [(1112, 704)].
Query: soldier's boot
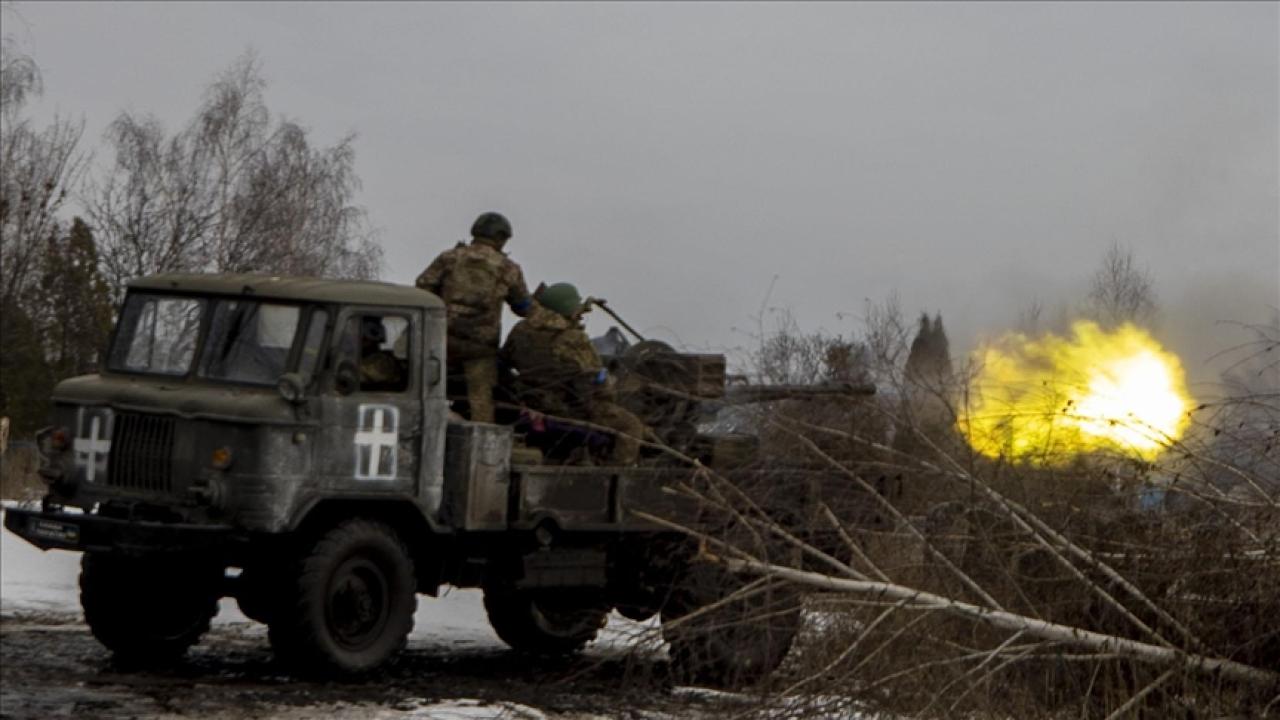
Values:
[(482, 375), (630, 429)]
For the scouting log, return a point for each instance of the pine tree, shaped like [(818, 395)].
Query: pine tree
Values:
[(78, 303), (55, 333), (26, 380), (941, 348), (929, 360)]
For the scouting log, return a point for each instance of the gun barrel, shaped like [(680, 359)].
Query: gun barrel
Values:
[(747, 394), (603, 305)]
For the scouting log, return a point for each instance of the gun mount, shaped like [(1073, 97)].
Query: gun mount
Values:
[(673, 392)]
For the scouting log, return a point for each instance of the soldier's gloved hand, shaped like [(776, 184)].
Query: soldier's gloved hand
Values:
[(604, 386)]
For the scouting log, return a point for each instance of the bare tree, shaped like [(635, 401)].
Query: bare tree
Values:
[(1256, 370), (39, 167), (1249, 421), (1120, 292), (234, 191)]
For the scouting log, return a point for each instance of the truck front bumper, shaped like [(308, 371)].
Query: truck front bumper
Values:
[(67, 531)]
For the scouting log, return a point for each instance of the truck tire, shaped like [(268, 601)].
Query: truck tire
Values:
[(148, 610), (729, 645), (542, 625), (350, 599)]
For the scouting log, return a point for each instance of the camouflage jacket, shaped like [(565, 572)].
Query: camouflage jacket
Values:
[(559, 371), (474, 280), (380, 371)]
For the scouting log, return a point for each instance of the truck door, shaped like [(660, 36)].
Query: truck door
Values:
[(373, 413)]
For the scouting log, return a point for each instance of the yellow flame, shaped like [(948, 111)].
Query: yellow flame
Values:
[(1044, 400)]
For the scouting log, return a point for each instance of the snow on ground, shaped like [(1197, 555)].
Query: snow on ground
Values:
[(464, 709), (36, 582), (459, 709), (32, 581)]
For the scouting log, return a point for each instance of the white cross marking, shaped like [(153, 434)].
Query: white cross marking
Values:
[(376, 437), (88, 449)]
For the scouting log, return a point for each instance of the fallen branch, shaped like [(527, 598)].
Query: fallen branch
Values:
[(1065, 634)]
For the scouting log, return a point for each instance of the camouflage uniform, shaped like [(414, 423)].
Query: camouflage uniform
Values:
[(380, 370), (474, 280), (560, 373)]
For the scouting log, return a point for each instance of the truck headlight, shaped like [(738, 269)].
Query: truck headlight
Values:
[(52, 444), (60, 440), (51, 440)]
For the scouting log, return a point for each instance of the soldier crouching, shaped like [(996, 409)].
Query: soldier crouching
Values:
[(560, 373)]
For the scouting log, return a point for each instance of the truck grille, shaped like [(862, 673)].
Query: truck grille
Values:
[(142, 453)]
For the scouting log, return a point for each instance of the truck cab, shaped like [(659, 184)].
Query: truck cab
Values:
[(240, 401)]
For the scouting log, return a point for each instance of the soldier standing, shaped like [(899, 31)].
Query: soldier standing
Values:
[(474, 280), (560, 372)]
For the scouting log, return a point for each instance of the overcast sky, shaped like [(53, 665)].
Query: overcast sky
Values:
[(677, 158)]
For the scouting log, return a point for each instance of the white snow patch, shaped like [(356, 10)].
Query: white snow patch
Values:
[(720, 696), (457, 709), (457, 614), (36, 581), (47, 581), (462, 709)]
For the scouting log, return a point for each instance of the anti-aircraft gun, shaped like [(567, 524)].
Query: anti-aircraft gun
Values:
[(676, 393), (695, 408)]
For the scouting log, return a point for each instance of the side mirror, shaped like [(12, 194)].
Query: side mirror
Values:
[(292, 387), (346, 379)]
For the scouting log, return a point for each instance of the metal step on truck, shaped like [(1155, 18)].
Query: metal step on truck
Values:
[(232, 445)]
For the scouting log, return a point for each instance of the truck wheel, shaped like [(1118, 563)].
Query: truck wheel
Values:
[(148, 610), (728, 645), (542, 625), (350, 601)]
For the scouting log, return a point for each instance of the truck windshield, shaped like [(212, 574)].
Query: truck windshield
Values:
[(249, 341), (157, 334)]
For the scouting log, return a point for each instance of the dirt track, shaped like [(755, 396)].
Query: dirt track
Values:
[(51, 667)]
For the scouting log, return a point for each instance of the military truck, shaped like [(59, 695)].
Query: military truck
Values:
[(289, 442)]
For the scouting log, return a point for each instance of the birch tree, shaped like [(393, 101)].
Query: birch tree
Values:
[(235, 190)]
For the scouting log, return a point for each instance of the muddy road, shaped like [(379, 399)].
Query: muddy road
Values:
[(454, 667), (51, 667)]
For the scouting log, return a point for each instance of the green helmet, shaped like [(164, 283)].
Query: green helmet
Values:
[(561, 298), (491, 225)]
